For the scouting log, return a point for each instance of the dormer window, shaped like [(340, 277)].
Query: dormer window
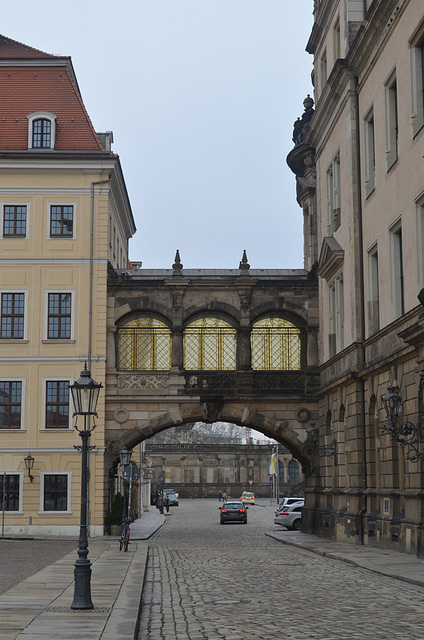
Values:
[(41, 133), (41, 130)]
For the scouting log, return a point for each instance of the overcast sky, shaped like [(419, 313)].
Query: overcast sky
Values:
[(201, 96)]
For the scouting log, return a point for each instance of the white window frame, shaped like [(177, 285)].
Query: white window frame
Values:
[(46, 115), (44, 381), (373, 290), (46, 316), (416, 71), (55, 472), (20, 510), (391, 119), (396, 269), (369, 152), (51, 204), (23, 389), (25, 336), (4, 204)]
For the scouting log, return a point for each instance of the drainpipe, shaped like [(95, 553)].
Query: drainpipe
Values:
[(362, 315), (90, 300), (90, 323)]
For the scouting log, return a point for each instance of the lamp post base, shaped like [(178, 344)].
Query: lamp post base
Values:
[(82, 587)]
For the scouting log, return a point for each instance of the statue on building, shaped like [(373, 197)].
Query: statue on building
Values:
[(300, 126)]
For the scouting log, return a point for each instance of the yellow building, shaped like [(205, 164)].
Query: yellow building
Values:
[(64, 215)]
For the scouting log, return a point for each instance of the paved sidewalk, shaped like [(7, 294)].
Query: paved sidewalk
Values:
[(39, 607), (389, 563)]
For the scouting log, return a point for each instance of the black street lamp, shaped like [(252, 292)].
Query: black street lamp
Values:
[(125, 457), (85, 394)]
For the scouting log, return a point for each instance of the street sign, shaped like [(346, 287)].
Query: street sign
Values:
[(250, 482), (131, 473)]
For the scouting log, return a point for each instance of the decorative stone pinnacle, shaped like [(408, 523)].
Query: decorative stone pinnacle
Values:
[(244, 266), (177, 266)]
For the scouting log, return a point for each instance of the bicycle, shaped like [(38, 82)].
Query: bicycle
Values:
[(125, 536)]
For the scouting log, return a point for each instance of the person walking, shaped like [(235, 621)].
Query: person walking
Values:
[(219, 495), (167, 501), (224, 496)]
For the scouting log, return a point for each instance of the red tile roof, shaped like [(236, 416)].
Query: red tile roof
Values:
[(13, 49), (37, 81)]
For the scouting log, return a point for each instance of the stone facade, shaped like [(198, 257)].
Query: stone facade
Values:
[(142, 403), (202, 470), (357, 163)]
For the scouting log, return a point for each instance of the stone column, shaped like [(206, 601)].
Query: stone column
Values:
[(177, 348), (312, 346)]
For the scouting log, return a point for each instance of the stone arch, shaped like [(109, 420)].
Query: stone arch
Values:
[(220, 309), (212, 410), (140, 305), (293, 313), (144, 313)]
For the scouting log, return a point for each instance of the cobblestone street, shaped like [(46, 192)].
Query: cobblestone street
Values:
[(208, 581)]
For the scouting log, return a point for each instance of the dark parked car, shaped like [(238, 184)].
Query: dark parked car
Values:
[(172, 495), (233, 511)]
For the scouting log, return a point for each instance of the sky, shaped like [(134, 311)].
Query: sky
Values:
[(201, 96)]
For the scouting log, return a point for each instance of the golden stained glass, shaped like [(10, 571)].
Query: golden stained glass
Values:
[(144, 343), (210, 344), (276, 345)]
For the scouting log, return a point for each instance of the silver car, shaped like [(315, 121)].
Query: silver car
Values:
[(290, 517), (289, 502)]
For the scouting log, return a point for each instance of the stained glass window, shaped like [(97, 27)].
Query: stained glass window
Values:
[(210, 344), (144, 343), (276, 345)]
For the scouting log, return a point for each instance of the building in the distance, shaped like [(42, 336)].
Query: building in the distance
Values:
[(358, 159), (64, 215)]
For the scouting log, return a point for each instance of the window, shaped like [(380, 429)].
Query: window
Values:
[(333, 195), (416, 60), (10, 491), (11, 402), (293, 472), (14, 221), (369, 152), (55, 491), (336, 39), (396, 269), (420, 244), (144, 343), (323, 69), (210, 344), (41, 130), (61, 221), (12, 316), (392, 123), (41, 133), (57, 404), (276, 345), (336, 316), (373, 292), (59, 316)]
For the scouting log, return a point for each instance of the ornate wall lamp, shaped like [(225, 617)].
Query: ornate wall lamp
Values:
[(311, 446), (29, 463), (407, 434)]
